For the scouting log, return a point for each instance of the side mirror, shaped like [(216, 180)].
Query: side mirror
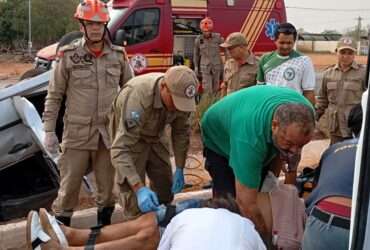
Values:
[(120, 38)]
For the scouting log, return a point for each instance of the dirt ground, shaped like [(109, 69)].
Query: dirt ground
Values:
[(322, 61), (13, 66)]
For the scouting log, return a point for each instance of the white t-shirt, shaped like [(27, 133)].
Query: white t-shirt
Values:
[(296, 72), (210, 229)]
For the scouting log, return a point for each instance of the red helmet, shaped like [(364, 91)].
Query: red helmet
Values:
[(92, 10), (206, 24)]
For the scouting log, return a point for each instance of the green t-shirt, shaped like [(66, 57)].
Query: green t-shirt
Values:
[(238, 127)]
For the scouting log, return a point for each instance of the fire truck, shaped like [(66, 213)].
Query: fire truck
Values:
[(154, 31)]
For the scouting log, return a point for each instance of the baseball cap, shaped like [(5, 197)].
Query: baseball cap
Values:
[(234, 39), (183, 84), (346, 43)]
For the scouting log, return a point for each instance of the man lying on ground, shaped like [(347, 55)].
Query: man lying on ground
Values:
[(143, 233), (214, 224)]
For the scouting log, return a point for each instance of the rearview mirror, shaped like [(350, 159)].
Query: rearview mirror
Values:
[(120, 38)]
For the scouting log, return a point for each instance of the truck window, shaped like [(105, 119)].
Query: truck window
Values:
[(141, 26)]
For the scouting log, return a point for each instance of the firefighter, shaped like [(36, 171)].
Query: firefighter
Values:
[(139, 143), (241, 69), (89, 73), (207, 59), (342, 88)]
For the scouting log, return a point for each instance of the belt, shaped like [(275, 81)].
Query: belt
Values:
[(331, 218)]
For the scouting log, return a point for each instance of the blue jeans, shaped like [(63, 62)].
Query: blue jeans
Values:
[(323, 236)]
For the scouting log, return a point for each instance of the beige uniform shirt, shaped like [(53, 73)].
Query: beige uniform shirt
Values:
[(206, 54), (240, 76), (90, 85), (138, 120), (340, 91)]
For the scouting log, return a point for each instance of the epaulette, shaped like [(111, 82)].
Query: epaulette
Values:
[(120, 49), (329, 66), (362, 66), (117, 48), (71, 46), (67, 47), (216, 35)]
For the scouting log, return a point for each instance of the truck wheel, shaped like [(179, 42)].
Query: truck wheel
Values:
[(68, 38), (32, 73)]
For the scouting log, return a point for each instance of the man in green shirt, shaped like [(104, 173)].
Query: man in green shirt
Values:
[(252, 131)]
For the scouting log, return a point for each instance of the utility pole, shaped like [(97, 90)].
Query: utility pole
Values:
[(29, 29), (359, 20)]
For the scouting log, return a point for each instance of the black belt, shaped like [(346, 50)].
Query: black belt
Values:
[(335, 220)]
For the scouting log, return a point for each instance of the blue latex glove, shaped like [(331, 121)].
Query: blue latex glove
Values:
[(178, 181), (147, 200)]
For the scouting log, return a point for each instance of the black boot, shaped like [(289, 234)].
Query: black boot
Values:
[(65, 220), (104, 216)]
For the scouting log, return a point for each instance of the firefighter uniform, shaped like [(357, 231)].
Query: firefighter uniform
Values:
[(340, 91), (139, 144), (207, 61), (240, 76), (90, 85)]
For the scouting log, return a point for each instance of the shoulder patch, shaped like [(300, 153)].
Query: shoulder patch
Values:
[(132, 118)]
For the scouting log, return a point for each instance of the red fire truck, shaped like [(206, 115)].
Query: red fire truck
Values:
[(153, 31)]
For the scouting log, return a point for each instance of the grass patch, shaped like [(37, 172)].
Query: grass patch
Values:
[(205, 102)]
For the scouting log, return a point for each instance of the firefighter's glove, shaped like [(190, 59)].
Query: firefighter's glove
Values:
[(51, 142), (147, 200), (178, 181)]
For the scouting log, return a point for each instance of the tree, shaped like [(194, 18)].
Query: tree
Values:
[(51, 19), (12, 21)]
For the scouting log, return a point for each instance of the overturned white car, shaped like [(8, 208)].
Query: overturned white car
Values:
[(29, 177)]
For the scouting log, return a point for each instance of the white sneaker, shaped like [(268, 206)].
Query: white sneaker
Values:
[(35, 235), (51, 226)]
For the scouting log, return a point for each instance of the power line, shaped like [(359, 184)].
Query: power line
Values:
[(322, 9), (342, 20)]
